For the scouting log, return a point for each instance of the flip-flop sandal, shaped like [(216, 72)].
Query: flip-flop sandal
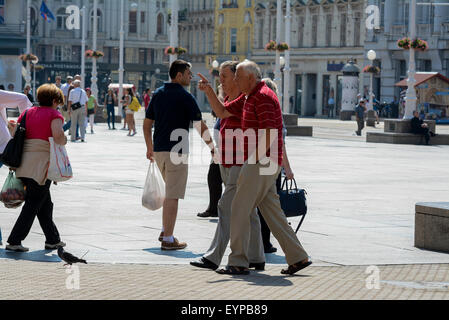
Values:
[(292, 269), (233, 271)]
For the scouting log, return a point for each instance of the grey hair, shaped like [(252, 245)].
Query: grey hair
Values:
[(271, 84), (251, 67)]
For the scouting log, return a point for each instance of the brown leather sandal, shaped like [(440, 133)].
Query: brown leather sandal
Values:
[(292, 269)]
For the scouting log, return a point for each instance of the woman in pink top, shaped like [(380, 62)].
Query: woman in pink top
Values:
[(41, 123)]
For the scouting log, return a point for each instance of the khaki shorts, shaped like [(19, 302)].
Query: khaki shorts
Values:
[(175, 175)]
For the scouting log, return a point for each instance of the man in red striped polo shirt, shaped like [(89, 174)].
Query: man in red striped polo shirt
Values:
[(256, 187), (230, 165)]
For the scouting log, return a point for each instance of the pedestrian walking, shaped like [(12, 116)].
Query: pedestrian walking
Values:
[(331, 107), (286, 169), (77, 110), (9, 100), (41, 123), (126, 100), (26, 91), (111, 100), (214, 182), (360, 116), (230, 114), (256, 181), (58, 80), (92, 107), (171, 109)]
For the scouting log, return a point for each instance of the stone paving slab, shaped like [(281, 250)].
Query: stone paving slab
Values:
[(48, 281)]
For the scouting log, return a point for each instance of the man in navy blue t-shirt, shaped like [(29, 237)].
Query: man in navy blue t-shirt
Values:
[(171, 110)]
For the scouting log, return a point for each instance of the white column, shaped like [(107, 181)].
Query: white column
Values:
[(277, 70), (174, 29), (83, 47), (286, 108), (94, 48), (139, 21), (121, 68), (410, 99), (28, 74)]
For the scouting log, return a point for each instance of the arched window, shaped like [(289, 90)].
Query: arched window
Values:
[(99, 21), (61, 17), (160, 23)]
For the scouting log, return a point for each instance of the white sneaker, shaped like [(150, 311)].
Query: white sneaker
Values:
[(16, 248)]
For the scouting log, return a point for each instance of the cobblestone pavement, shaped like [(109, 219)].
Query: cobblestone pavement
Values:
[(48, 281)]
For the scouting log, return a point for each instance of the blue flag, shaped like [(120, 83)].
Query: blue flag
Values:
[(46, 13)]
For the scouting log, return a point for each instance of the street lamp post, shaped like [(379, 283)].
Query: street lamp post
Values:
[(371, 120), (215, 66), (174, 29), (28, 65), (277, 70), (83, 47), (34, 76), (94, 48), (410, 98), (286, 108)]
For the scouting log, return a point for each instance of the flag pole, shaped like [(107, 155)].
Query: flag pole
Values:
[(28, 63)]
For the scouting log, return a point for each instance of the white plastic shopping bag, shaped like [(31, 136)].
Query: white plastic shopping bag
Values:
[(60, 168), (154, 191)]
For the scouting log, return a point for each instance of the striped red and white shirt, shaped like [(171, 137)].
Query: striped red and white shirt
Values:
[(262, 111)]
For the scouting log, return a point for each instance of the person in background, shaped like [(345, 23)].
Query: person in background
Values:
[(420, 127), (331, 106), (58, 80), (92, 107), (11, 87), (147, 98), (126, 100), (42, 123), (110, 101), (77, 110), (360, 116), (9, 100), (26, 91)]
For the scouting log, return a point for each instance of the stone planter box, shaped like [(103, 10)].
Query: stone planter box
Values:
[(100, 115), (432, 226)]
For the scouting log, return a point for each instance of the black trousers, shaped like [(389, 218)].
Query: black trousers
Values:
[(214, 183), (425, 132), (265, 230), (37, 203)]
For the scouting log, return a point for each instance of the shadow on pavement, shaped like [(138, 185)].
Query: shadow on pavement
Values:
[(182, 254), (36, 256), (260, 279)]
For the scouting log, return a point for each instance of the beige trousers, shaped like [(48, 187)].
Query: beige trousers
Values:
[(221, 238), (256, 190)]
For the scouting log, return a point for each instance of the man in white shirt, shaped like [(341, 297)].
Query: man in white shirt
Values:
[(65, 87), (9, 100), (77, 108)]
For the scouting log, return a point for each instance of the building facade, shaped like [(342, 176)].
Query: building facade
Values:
[(12, 42), (432, 25), (196, 34), (59, 49), (324, 36)]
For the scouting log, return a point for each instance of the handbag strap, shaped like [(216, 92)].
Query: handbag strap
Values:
[(285, 183), (23, 121)]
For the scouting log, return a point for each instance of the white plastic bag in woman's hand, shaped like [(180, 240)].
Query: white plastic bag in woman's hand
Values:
[(154, 191), (59, 169)]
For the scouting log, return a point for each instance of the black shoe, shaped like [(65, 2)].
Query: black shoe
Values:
[(270, 250), (207, 214), (205, 264), (257, 266)]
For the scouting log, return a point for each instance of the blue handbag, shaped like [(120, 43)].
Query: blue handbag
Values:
[(293, 200)]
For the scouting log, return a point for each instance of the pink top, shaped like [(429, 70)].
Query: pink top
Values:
[(38, 122)]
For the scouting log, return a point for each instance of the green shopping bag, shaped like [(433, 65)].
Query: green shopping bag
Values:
[(13, 192)]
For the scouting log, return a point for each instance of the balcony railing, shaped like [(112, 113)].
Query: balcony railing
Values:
[(12, 29)]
